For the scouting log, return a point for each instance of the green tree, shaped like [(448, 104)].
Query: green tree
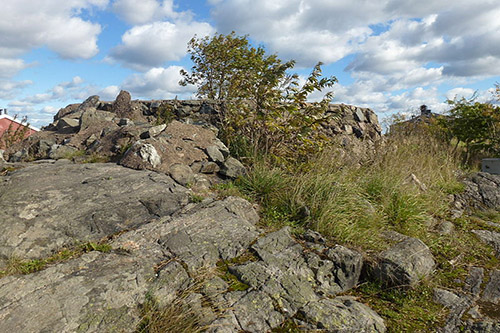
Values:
[(264, 106), (475, 124)]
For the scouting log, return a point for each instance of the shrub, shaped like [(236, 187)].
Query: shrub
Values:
[(475, 125), (262, 102)]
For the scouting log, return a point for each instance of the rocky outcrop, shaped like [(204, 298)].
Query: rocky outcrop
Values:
[(160, 245), (490, 237), (472, 309), (482, 190), (50, 205)]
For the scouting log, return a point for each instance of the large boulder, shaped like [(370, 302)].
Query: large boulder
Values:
[(405, 263), (122, 105), (67, 125)]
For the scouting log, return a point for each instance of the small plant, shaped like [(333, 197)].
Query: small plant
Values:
[(96, 158), (234, 283), (16, 266), (194, 198), (165, 114), (410, 310), (14, 134), (178, 316), (182, 314)]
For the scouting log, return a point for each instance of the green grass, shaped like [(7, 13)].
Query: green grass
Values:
[(353, 198), (195, 198), (178, 316), (17, 266), (409, 310)]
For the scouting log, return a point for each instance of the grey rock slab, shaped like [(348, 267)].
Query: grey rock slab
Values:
[(293, 275), (97, 292), (359, 115), (491, 292), (182, 174), (222, 147), (67, 125), (61, 151), (342, 314), (405, 263), (482, 190), (232, 168), (213, 231), (256, 313), (446, 298), (92, 102), (91, 117), (209, 167), (125, 122), (46, 206), (348, 264), (474, 280), (481, 327), (156, 130), (489, 237), (146, 152), (214, 153)]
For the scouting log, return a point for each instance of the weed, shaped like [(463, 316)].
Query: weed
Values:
[(410, 310), (17, 266), (194, 198), (96, 158), (184, 313), (165, 114), (234, 283)]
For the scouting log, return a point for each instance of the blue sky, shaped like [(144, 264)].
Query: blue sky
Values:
[(389, 55)]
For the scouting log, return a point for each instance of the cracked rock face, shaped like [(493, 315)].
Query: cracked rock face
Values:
[(163, 244), (47, 206), (101, 292), (472, 309), (482, 190)]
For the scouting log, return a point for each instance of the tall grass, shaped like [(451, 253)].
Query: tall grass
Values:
[(353, 197)]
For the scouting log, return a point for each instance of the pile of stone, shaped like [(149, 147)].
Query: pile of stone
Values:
[(126, 133)]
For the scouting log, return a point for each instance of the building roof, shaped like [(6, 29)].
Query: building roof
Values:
[(6, 116)]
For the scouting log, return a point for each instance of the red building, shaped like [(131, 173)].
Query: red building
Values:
[(11, 123)]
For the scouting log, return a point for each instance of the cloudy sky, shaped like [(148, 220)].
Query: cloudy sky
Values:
[(389, 55)]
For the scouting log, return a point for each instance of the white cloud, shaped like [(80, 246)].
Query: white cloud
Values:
[(151, 45), (60, 92), (158, 83), (26, 25), (53, 23), (109, 93), (10, 67), (50, 110), (146, 11), (459, 93), (307, 31), (8, 89)]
